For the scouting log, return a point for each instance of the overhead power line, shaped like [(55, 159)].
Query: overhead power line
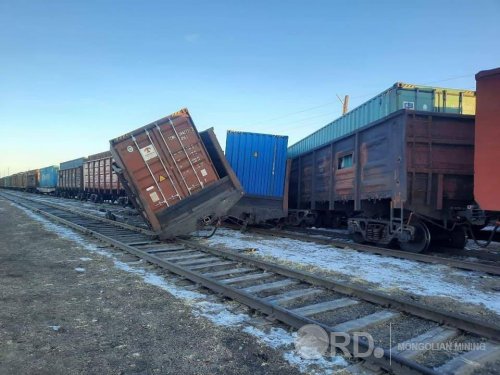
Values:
[(266, 122)]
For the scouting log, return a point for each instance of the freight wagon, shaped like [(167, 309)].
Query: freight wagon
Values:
[(406, 178), (487, 151), (7, 182), (397, 97), (177, 178), (260, 163), (48, 179), (32, 180), (100, 182), (19, 181), (70, 182)]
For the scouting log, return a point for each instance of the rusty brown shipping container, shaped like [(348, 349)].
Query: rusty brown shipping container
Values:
[(100, 182), (410, 167), (487, 151), (176, 177)]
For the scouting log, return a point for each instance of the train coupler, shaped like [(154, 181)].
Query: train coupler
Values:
[(472, 214)]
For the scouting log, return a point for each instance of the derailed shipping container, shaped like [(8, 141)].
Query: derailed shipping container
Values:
[(260, 163), (176, 177)]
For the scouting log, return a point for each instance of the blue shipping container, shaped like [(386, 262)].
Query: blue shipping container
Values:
[(259, 161), (71, 164), (48, 178)]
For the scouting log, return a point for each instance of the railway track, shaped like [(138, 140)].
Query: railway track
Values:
[(487, 262), (484, 261), (486, 254), (293, 297)]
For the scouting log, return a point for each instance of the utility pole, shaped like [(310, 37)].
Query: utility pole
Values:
[(345, 107), (345, 104)]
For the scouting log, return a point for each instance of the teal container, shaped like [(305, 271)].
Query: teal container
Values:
[(399, 96), (76, 163), (48, 178)]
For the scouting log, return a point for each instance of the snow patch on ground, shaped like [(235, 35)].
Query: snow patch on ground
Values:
[(85, 259), (218, 314), (386, 272), (80, 269), (275, 338), (323, 363), (215, 312), (330, 230), (279, 338)]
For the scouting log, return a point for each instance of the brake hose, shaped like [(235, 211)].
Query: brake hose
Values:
[(484, 245)]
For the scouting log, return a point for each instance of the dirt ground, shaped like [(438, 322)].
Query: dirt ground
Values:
[(63, 314)]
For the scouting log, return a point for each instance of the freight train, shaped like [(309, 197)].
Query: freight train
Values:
[(401, 168), (89, 178)]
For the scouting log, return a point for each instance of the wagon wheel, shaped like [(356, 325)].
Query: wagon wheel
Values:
[(421, 240), (358, 238), (458, 238)]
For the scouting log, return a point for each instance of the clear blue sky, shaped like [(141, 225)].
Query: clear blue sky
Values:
[(75, 74)]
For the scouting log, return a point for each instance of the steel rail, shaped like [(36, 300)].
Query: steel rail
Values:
[(88, 215), (393, 363), (422, 311), (432, 259)]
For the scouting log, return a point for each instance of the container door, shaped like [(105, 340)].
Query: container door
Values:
[(168, 163), (152, 173)]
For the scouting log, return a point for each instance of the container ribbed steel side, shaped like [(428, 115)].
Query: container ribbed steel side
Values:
[(72, 164), (399, 96), (259, 161), (49, 176)]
